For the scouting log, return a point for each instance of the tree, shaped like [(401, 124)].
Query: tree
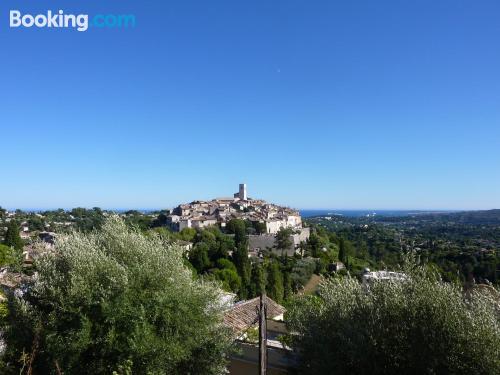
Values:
[(113, 300), (260, 227), (315, 244), (238, 228), (287, 285), (240, 259), (342, 250), (198, 257), (283, 240), (187, 234), (274, 287), (7, 256), (230, 279), (240, 254), (12, 237), (302, 271), (418, 325), (257, 281)]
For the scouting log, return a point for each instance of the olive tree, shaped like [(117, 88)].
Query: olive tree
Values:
[(114, 300), (418, 325)]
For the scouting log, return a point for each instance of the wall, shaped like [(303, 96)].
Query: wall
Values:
[(279, 361)]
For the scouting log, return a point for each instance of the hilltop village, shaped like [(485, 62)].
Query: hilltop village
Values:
[(267, 219), (201, 214)]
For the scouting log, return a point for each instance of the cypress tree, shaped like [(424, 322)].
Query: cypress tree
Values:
[(342, 250), (12, 237), (240, 256), (287, 285), (240, 259), (274, 286), (257, 281)]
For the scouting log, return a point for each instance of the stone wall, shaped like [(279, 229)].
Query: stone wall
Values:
[(265, 241)]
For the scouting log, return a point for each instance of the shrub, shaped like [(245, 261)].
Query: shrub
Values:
[(417, 326), (115, 300)]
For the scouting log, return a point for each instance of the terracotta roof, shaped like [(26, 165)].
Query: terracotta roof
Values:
[(244, 315)]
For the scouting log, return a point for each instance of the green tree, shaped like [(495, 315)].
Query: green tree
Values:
[(12, 237), (116, 300), (198, 256), (240, 254), (7, 256), (342, 250), (238, 228), (419, 325), (187, 234), (274, 286), (230, 279), (315, 244), (260, 228), (283, 240), (257, 281), (240, 258), (287, 285)]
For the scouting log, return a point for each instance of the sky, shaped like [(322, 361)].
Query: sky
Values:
[(313, 104)]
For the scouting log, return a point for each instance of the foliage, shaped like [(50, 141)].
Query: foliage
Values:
[(257, 280), (274, 287), (136, 219), (240, 254), (4, 311), (283, 240), (12, 237), (302, 272), (464, 246), (418, 326), (7, 255), (198, 256), (115, 300), (230, 279), (187, 234), (342, 251), (87, 220)]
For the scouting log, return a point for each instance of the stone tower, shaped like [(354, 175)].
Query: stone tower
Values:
[(243, 192)]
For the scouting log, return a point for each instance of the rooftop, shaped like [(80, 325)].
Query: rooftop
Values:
[(244, 314)]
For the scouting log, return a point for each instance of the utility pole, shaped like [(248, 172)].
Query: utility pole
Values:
[(263, 335)]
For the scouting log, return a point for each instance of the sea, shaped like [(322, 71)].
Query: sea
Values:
[(361, 213)]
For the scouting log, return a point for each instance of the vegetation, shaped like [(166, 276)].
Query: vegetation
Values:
[(115, 301), (418, 326), (7, 255), (224, 257), (12, 238), (135, 297), (464, 247)]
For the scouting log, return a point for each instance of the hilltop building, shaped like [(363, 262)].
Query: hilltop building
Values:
[(201, 214), (242, 192)]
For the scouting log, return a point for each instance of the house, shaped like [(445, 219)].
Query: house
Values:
[(336, 266), (243, 319), (371, 277), (185, 245)]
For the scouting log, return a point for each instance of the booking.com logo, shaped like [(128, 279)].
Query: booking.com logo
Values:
[(80, 22)]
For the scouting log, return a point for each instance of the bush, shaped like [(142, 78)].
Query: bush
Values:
[(417, 326), (7, 255), (115, 300)]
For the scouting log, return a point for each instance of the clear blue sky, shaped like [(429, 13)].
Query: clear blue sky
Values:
[(314, 104)]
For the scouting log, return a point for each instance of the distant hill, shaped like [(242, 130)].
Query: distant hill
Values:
[(488, 217)]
